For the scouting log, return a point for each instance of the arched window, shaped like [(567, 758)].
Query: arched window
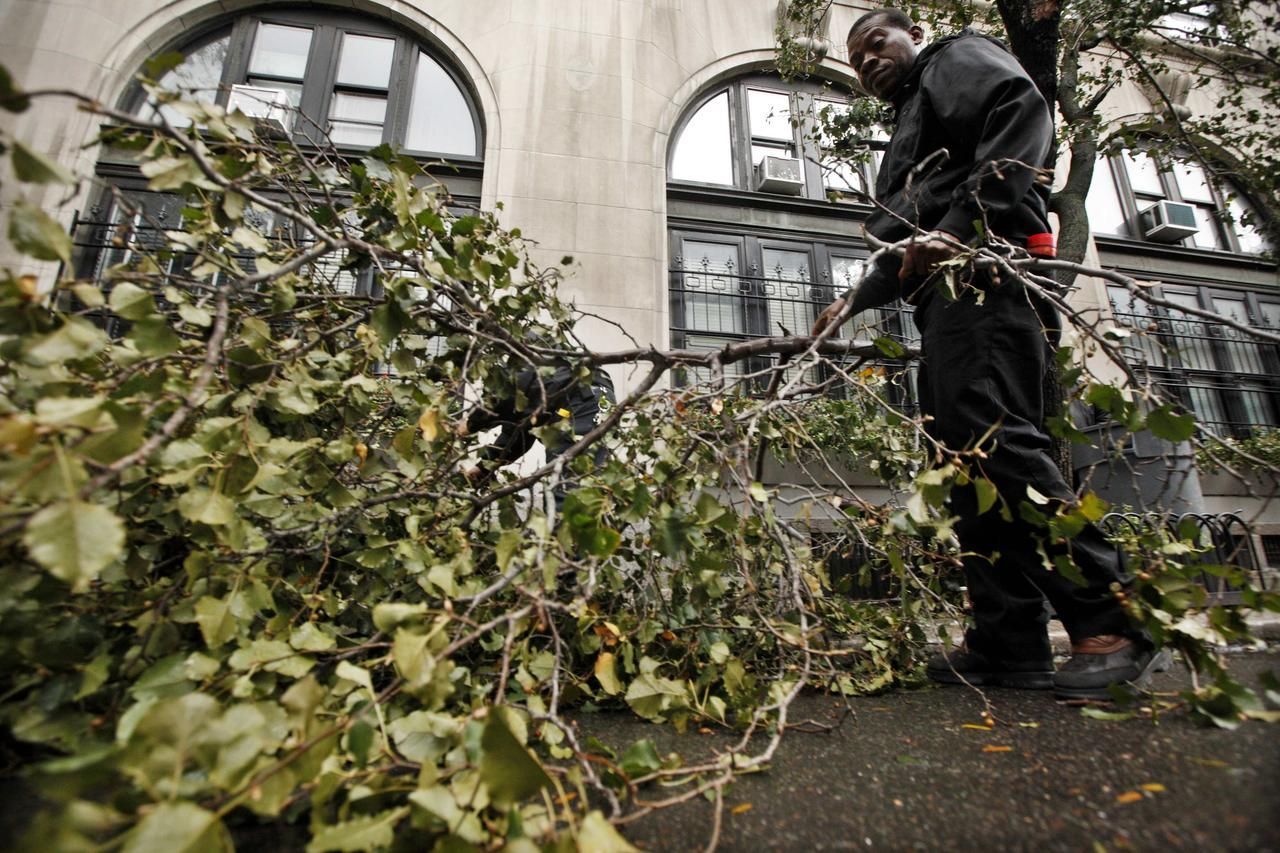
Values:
[(761, 134), (324, 76), (1126, 198), (754, 245)]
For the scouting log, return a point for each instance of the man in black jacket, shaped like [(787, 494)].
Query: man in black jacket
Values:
[(964, 165)]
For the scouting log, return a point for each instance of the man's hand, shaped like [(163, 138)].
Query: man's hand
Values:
[(828, 316), (924, 254)]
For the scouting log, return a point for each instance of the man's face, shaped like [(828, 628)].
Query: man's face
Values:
[(882, 54)]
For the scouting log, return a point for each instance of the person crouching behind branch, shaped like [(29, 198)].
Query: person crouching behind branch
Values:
[(970, 114), (561, 399)]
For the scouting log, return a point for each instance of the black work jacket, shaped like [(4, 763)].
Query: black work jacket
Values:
[(966, 94), (524, 407)]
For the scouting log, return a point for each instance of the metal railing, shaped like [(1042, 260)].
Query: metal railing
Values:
[(711, 308), (1228, 378), (1225, 540)]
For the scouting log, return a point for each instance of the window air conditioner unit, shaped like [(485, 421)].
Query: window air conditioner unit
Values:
[(1168, 221), (780, 175), (268, 106)]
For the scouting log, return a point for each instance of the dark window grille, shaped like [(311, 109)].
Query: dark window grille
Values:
[(1222, 374), (1271, 550), (852, 569), (712, 307)]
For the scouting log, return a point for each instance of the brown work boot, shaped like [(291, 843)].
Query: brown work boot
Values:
[(1105, 661)]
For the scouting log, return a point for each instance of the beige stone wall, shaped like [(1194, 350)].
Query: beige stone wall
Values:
[(579, 99)]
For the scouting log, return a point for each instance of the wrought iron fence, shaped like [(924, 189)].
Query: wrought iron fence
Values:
[(711, 308), (1225, 540)]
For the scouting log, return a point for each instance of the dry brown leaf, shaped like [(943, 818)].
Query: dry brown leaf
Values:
[(1129, 797), (991, 747), (741, 808), (1153, 787), (982, 727)]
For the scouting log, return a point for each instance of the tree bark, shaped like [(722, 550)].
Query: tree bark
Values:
[(1034, 31)]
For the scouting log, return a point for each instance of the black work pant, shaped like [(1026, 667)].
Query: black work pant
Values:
[(982, 374)]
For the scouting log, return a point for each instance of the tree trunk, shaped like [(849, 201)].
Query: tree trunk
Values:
[(1033, 27)]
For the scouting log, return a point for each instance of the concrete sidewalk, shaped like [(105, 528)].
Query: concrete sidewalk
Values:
[(916, 770)]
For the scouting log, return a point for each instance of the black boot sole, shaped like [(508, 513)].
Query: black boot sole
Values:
[(1159, 662), (1042, 680)]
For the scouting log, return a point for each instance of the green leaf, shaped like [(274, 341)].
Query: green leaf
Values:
[(76, 339), (508, 542), (606, 672), (360, 833), (179, 828), (171, 173), (217, 624), (1101, 714), (507, 769), (37, 234), (207, 507), (131, 302), (69, 411), (640, 758), (35, 168), (161, 64), (75, 540), (390, 615), (1165, 423), (987, 494), (1093, 507), (889, 347), (359, 740), (354, 673), (11, 96), (650, 695), (597, 835), (308, 637)]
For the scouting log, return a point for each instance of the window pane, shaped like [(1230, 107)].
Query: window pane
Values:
[(197, 78), (1143, 346), (1144, 175), (439, 119), (363, 135), (786, 286), (1191, 334), (1270, 315), (1106, 216), (711, 284), (1242, 355), (280, 51), (703, 152), (838, 174), (1203, 399), (366, 60), (358, 108), (1192, 182), (770, 114), (1251, 239), (292, 90), (759, 152), (1207, 237)]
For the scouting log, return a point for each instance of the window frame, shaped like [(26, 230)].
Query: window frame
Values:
[(319, 82), (1179, 374), (804, 98), (1133, 202)]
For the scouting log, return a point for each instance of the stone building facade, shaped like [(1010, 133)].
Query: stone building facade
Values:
[(647, 139)]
